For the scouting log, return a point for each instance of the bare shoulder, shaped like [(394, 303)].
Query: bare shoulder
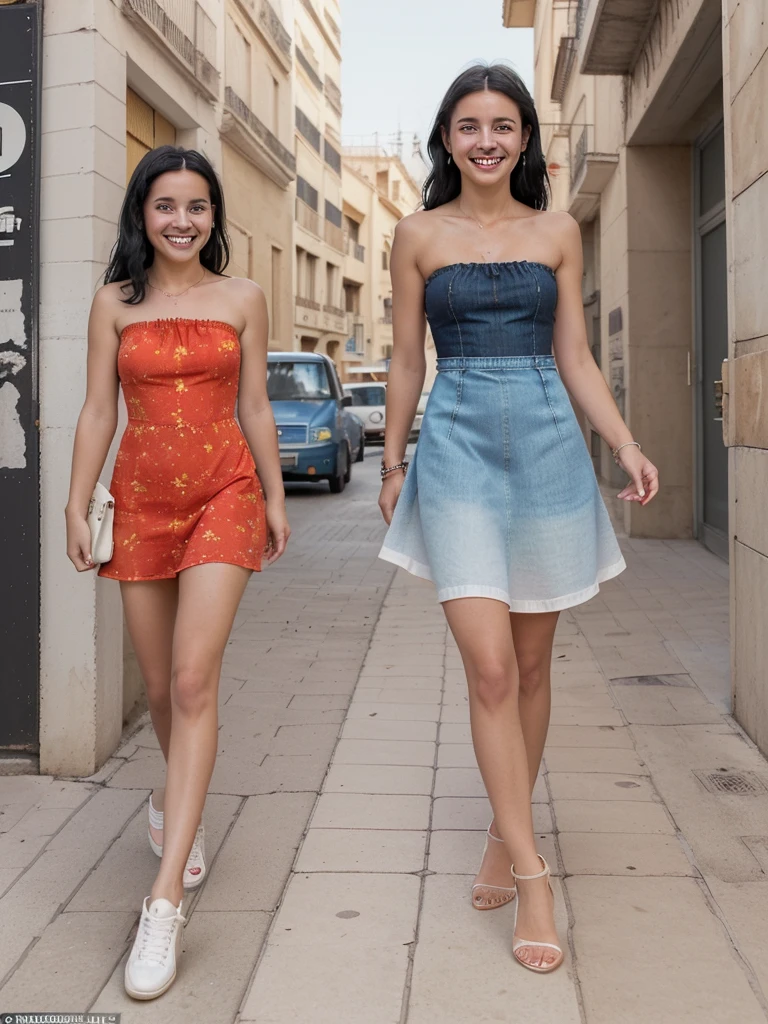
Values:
[(413, 227), (244, 289), (108, 301), (560, 226)]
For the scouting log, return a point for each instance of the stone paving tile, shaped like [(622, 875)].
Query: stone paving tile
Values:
[(594, 759), (463, 968), (629, 934), (358, 810), (70, 963), (365, 778), (393, 712), (599, 786), (600, 853), (474, 813), (589, 736), (404, 752), (612, 816), (377, 728), (335, 985), (375, 850), (254, 861)]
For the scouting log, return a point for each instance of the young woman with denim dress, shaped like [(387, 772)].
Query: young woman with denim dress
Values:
[(500, 505)]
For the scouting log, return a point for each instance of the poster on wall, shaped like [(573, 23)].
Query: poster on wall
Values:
[(19, 462)]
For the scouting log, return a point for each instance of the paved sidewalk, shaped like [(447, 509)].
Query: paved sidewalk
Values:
[(662, 891)]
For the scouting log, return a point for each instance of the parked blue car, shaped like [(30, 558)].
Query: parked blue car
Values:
[(319, 438)]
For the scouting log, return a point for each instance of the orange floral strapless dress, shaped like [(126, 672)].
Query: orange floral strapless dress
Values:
[(185, 485)]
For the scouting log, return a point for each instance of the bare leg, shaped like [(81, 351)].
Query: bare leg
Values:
[(533, 636), (482, 631), (150, 613), (208, 600)]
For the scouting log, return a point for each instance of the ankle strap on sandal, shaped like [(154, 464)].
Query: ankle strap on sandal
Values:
[(529, 878), (496, 839)]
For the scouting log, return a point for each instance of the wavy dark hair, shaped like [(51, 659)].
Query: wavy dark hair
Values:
[(529, 181), (132, 254)]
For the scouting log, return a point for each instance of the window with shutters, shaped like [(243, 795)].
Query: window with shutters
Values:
[(145, 129)]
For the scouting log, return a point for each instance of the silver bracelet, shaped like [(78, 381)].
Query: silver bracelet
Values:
[(615, 451)]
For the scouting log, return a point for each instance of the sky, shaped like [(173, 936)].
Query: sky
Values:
[(400, 56)]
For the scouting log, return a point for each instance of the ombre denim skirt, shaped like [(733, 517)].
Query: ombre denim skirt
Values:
[(501, 500)]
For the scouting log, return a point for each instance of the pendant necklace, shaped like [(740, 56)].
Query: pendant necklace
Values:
[(176, 295), (486, 253)]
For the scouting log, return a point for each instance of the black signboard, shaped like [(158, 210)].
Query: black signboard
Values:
[(19, 452)]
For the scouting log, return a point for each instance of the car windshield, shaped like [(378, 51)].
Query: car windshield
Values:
[(288, 382), (374, 395)]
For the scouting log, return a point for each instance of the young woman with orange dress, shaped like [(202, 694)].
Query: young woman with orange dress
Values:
[(193, 518)]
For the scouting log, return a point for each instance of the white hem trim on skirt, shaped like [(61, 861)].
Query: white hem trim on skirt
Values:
[(555, 604)]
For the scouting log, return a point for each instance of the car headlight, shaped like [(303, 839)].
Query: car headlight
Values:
[(321, 434), (376, 417)]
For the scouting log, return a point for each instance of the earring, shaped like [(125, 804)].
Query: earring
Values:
[(449, 159), (523, 158)]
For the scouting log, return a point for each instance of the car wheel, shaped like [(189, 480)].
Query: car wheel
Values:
[(338, 482), (361, 450)]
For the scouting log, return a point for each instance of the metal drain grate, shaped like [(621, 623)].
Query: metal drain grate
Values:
[(733, 783)]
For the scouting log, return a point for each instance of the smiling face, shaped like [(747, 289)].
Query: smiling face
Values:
[(178, 215), (486, 136)]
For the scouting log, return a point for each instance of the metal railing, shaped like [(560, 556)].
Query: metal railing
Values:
[(307, 303), (333, 94), (187, 30), (309, 67), (335, 310), (308, 218), (241, 109), (334, 236), (579, 155)]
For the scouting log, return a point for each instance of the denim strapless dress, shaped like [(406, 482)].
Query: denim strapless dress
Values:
[(501, 500)]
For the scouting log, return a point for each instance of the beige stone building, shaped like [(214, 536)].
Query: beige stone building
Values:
[(379, 190), (652, 115), (319, 320), (258, 164), (119, 77)]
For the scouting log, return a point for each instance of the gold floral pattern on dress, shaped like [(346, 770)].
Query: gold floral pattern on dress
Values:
[(180, 380)]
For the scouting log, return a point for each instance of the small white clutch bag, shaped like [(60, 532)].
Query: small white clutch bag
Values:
[(101, 514)]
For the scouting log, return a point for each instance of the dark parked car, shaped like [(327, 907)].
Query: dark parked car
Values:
[(319, 438)]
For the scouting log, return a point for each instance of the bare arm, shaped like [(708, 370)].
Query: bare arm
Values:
[(256, 417), (96, 424), (408, 366), (583, 377)]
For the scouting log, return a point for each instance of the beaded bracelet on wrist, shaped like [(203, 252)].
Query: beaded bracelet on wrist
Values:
[(386, 470)]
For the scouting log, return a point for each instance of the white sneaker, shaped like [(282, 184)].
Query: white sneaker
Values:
[(194, 871), (151, 967)]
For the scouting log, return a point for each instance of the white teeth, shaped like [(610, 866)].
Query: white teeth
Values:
[(490, 162), (179, 239)]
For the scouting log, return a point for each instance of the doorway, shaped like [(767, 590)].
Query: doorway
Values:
[(711, 270)]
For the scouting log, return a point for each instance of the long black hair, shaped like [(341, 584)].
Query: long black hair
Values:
[(132, 253), (529, 181)]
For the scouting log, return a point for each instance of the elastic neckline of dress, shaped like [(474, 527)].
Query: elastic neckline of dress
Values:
[(178, 320), (491, 263)]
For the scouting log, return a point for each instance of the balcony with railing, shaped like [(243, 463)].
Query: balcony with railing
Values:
[(334, 236), (308, 218), (266, 18), (333, 94), (590, 171), (353, 248), (310, 68), (243, 130), (183, 27), (612, 33)]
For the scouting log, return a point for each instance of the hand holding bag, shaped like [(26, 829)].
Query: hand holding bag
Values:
[(101, 514)]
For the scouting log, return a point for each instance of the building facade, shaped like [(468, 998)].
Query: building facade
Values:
[(379, 190), (319, 321), (651, 117), (120, 77)]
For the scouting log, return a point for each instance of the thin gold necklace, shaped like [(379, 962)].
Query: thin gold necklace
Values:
[(479, 223), (176, 295)]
